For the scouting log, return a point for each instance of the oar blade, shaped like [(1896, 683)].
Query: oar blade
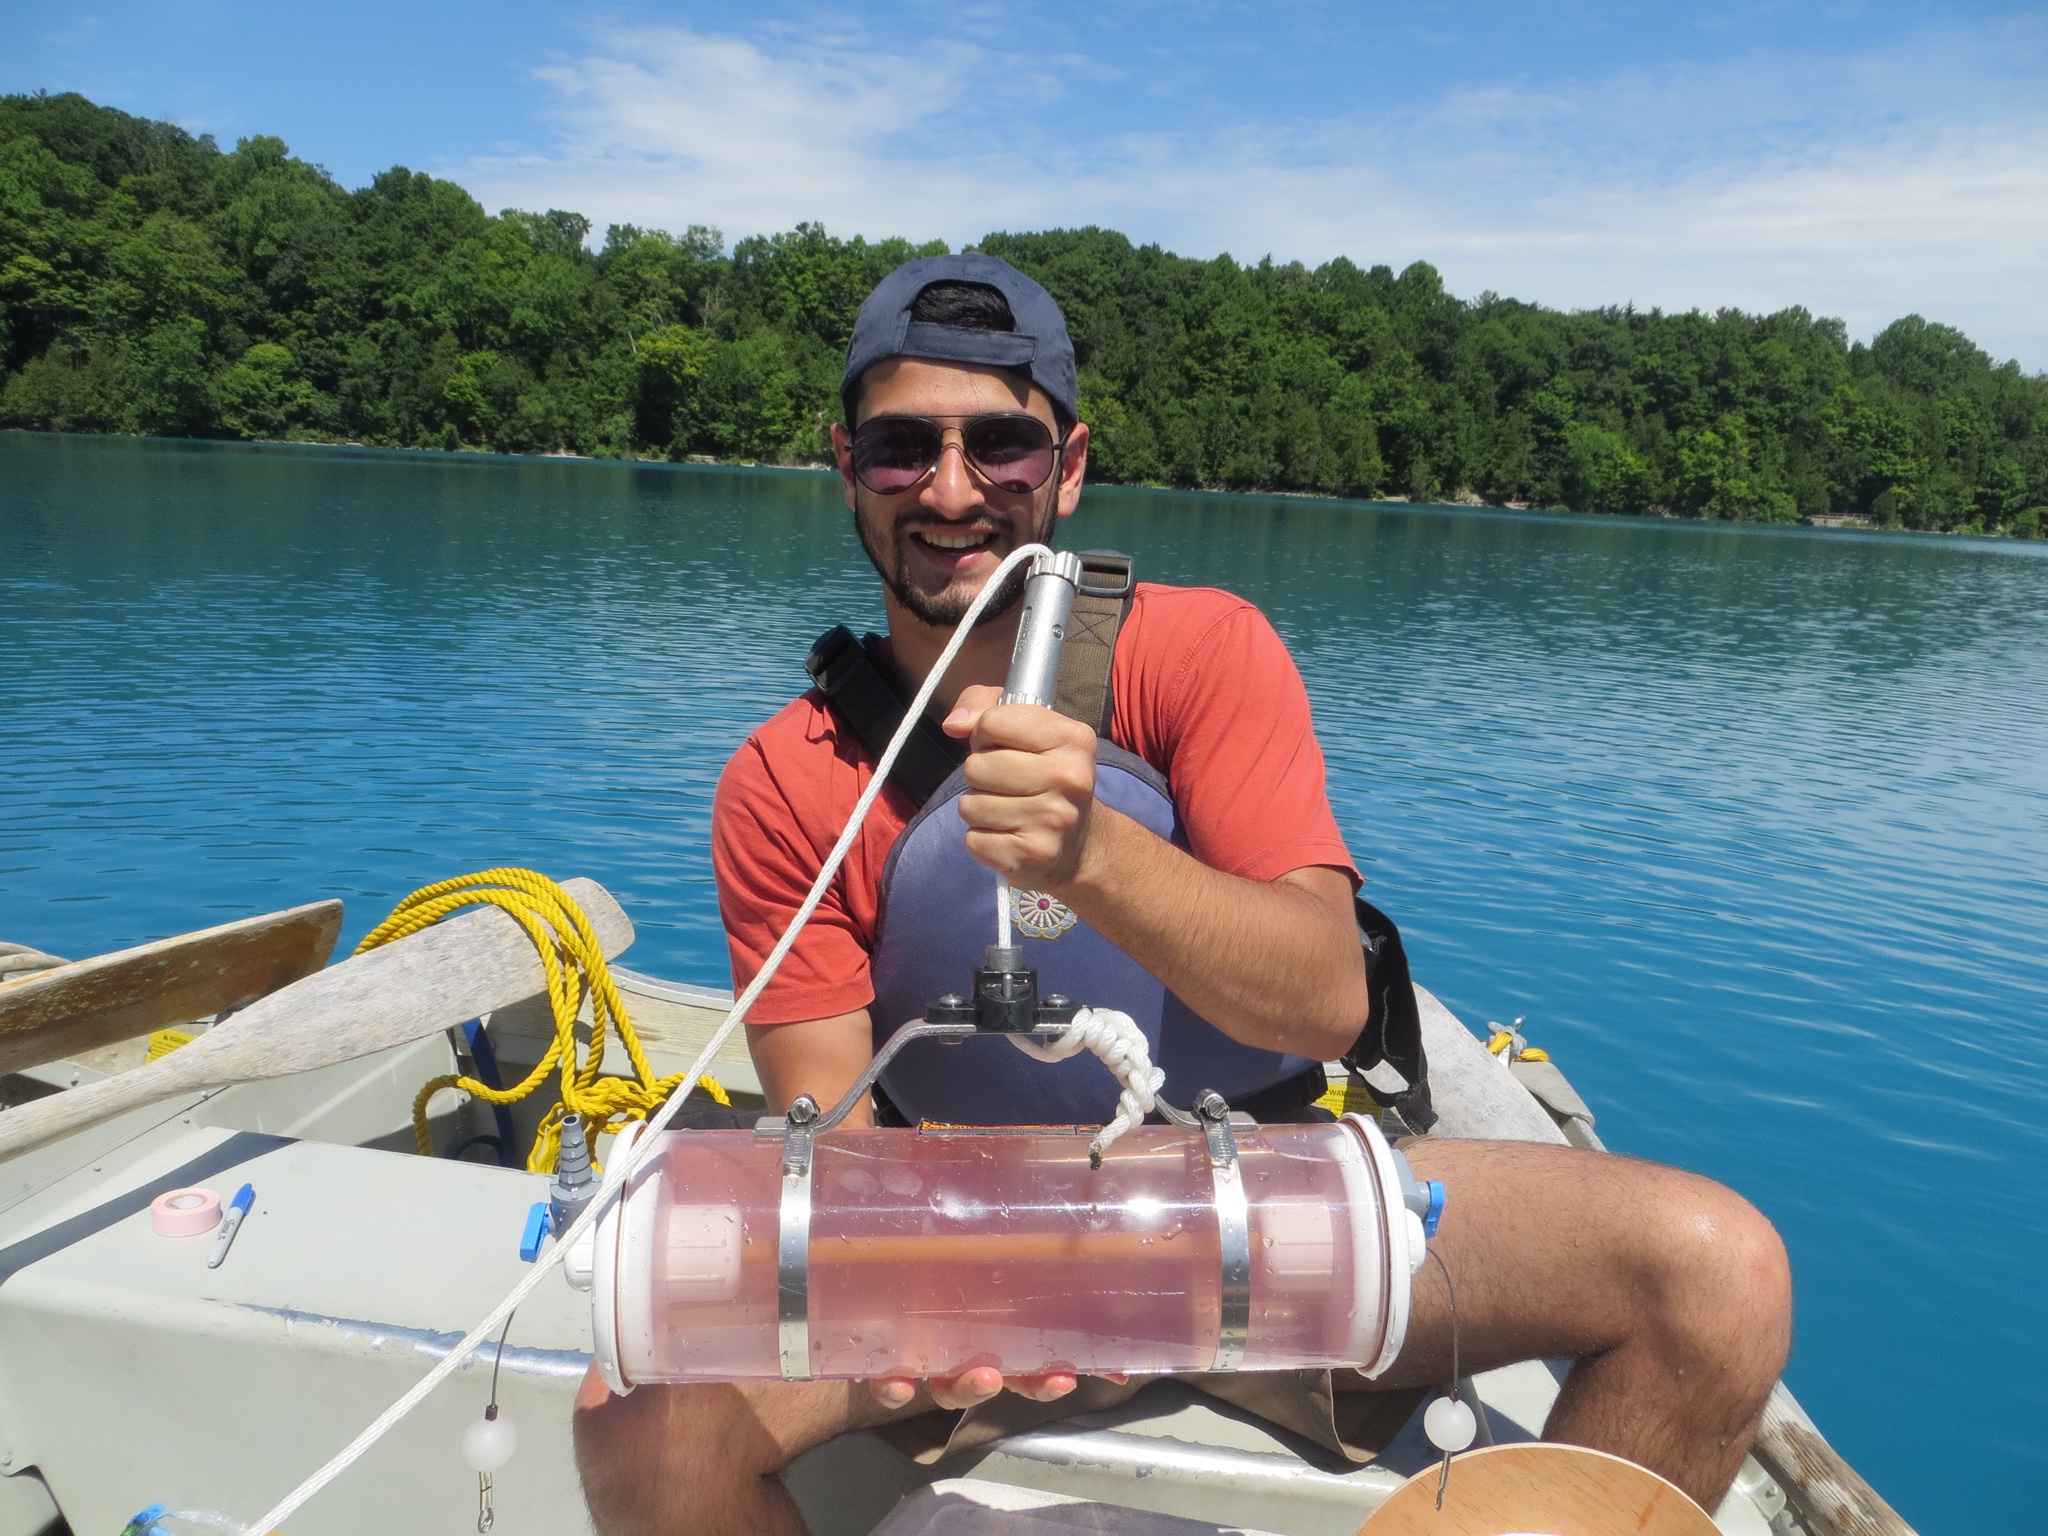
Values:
[(55, 1013)]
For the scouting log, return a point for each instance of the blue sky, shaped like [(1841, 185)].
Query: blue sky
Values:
[(1863, 159)]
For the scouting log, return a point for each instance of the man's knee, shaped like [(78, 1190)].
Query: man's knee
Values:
[(1715, 1277), (694, 1460), (712, 1425), (699, 1438), (725, 1433)]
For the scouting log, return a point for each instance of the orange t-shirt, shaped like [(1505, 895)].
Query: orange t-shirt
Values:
[(1204, 691)]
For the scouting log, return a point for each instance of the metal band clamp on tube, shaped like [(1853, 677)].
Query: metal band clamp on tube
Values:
[(793, 1243), (1233, 1234)]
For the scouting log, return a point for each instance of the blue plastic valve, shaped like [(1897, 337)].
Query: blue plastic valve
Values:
[(1434, 1216), (537, 1230)]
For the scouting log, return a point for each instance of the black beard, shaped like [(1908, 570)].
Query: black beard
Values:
[(942, 610)]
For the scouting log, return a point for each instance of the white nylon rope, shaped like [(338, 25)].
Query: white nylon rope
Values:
[(1116, 1038), (616, 1174)]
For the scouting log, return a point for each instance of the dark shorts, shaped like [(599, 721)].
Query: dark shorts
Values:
[(1347, 1414)]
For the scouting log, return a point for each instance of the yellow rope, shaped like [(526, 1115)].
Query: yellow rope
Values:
[(574, 960), (1502, 1040)]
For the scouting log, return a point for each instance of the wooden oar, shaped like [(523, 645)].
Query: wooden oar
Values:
[(408, 989), (17, 960), (50, 1014)]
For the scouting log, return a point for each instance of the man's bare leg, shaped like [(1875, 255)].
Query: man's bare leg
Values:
[(664, 1461), (1670, 1292), (702, 1460)]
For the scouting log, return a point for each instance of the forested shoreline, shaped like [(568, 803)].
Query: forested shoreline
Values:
[(152, 283)]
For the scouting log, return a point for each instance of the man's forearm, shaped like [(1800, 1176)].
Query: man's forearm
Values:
[(820, 1057), (1276, 965)]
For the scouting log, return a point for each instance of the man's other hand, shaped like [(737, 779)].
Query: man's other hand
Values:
[(974, 1386), (1032, 776)]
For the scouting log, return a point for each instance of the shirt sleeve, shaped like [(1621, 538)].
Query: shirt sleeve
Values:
[(765, 859), (1242, 756)]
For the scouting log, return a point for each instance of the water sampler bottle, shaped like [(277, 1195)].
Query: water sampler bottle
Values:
[(801, 1250), (926, 1252)]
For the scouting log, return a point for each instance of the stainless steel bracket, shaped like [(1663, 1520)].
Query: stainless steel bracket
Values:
[(951, 1034), (1233, 1232)]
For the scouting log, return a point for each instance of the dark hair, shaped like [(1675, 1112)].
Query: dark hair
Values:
[(967, 307)]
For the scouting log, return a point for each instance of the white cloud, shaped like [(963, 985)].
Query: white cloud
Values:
[(1955, 227), (1762, 184), (667, 127)]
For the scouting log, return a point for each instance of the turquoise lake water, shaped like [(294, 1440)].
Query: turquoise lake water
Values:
[(1752, 824)]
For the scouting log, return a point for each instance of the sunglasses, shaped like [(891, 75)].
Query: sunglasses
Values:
[(1011, 451)]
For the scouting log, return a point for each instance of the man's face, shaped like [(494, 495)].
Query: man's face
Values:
[(935, 544)]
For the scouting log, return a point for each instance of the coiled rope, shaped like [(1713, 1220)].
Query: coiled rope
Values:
[(621, 1170), (1116, 1038), (575, 964)]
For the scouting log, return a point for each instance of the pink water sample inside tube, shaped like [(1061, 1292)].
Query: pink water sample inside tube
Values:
[(934, 1250)]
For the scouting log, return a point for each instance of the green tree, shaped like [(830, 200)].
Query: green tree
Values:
[(1719, 474), (263, 394), (150, 282)]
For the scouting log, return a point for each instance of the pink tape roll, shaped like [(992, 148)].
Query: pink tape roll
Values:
[(184, 1212)]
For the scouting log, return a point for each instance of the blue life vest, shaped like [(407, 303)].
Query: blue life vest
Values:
[(938, 914)]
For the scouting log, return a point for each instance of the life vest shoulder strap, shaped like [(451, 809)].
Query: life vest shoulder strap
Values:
[(867, 696), (1101, 603)]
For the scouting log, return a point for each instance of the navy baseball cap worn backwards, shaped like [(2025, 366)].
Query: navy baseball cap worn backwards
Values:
[(1038, 346)]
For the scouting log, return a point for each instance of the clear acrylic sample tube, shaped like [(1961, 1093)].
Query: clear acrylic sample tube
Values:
[(927, 1252)]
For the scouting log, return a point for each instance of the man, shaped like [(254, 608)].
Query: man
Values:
[(961, 442)]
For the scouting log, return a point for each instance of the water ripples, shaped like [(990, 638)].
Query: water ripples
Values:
[(1750, 823)]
